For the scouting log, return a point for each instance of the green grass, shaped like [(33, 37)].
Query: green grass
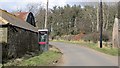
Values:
[(110, 51), (44, 59)]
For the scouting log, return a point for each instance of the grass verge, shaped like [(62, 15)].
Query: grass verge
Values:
[(110, 51), (44, 59)]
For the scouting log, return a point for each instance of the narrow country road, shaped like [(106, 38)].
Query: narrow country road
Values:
[(76, 55)]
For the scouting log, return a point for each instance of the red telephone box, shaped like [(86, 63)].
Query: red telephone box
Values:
[(43, 39)]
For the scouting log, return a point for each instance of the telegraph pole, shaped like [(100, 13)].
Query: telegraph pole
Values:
[(46, 15), (101, 23)]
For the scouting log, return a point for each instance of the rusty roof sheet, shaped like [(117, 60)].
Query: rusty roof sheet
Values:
[(8, 18), (21, 15)]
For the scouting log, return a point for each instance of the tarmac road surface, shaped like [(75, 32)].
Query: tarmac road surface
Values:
[(76, 55)]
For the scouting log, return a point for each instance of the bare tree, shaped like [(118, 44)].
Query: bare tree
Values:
[(39, 12), (34, 7)]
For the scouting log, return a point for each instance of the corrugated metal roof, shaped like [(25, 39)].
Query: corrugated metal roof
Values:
[(3, 21), (15, 21), (22, 15)]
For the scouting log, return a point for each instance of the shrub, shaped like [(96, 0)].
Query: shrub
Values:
[(95, 37)]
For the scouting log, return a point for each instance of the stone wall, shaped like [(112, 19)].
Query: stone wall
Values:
[(20, 41)]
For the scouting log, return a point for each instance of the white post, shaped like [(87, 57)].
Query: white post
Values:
[(46, 15)]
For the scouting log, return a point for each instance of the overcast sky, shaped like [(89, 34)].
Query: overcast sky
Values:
[(12, 5)]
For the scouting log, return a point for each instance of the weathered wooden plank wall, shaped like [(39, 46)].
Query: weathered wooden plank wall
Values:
[(20, 41)]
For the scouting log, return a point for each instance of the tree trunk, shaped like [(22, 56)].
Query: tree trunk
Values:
[(97, 18), (104, 20), (107, 22), (92, 26)]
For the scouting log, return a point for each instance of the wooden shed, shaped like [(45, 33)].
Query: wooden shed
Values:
[(20, 36), (26, 16)]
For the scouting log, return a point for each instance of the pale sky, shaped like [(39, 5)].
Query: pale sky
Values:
[(12, 5)]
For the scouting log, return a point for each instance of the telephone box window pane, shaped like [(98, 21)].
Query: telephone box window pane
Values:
[(43, 36)]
